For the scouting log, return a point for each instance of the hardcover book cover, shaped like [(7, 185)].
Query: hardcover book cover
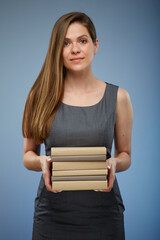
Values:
[(79, 168)]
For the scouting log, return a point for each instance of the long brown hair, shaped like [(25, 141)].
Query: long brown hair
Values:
[(46, 93)]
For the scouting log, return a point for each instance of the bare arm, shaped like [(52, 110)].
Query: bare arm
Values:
[(123, 130), (122, 137), (33, 161), (31, 152)]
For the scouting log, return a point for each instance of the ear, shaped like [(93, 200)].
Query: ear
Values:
[(96, 46)]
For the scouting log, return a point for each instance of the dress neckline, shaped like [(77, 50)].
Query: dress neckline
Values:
[(94, 105)]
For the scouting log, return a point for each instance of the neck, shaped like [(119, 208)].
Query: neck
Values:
[(81, 81)]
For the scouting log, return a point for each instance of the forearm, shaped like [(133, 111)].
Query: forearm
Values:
[(32, 161), (123, 161)]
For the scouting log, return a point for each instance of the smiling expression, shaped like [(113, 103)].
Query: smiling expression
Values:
[(79, 49)]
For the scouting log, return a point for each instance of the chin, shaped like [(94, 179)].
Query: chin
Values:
[(78, 68)]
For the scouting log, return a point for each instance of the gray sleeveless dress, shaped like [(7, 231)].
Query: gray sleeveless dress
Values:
[(85, 214)]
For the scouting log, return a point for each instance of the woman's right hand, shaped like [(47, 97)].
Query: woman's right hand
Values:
[(46, 162)]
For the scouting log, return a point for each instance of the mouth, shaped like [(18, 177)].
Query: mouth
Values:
[(76, 59)]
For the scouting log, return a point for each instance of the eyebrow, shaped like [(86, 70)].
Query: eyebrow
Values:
[(84, 35)]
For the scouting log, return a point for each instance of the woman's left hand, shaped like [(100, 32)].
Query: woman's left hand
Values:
[(111, 174)]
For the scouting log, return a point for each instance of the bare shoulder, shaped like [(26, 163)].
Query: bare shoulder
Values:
[(123, 102), (122, 96)]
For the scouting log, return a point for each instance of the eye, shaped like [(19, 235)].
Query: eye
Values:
[(83, 41), (66, 43)]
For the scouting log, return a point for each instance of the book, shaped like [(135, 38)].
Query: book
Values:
[(79, 168), (78, 151), (79, 185), (78, 165), (78, 178), (85, 172), (70, 158)]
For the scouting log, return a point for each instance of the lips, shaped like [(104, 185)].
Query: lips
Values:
[(76, 59)]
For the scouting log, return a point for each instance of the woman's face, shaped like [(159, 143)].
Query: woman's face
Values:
[(79, 49)]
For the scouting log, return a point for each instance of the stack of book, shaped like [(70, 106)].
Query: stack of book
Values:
[(79, 168)]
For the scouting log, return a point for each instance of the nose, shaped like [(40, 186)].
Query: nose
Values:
[(75, 48)]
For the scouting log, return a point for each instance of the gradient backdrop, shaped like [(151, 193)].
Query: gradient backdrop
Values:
[(129, 56)]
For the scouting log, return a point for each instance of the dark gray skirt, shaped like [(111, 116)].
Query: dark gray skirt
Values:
[(78, 215)]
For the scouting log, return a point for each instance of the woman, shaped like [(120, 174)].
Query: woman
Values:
[(69, 107)]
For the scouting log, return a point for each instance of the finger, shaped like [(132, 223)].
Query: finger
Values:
[(109, 166), (48, 186), (47, 176), (49, 159), (104, 190), (110, 180)]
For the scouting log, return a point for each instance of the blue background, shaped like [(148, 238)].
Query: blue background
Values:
[(129, 56)]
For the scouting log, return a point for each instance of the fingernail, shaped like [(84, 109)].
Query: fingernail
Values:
[(96, 190), (109, 167), (49, 158)]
